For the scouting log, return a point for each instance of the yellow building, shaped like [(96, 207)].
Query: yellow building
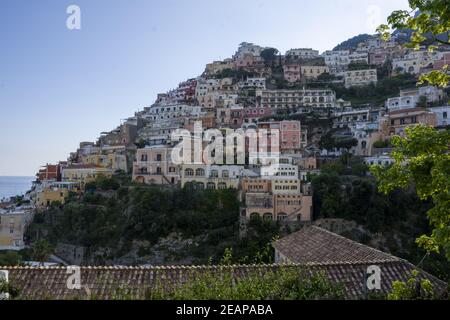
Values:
[(13, 224), (55, 192), (112, 161), (84, 173), (211, 176)]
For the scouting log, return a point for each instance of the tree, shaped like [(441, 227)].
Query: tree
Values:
[(269, 55), (430, 23), (423, 102), (422, 159), (41, 251)]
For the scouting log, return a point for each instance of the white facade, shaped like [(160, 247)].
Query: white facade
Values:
[(355, 78), (302, 53), (442, 115)]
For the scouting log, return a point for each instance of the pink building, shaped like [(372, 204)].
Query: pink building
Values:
[(439, 64), (290, 135), (377, 58), (253, 114), (292, 72), (154, 165)]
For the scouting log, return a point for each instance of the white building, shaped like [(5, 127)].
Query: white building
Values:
[(302, 53), (337, 61), (442, 115), (355, 78), (253, 83), (314, 98)]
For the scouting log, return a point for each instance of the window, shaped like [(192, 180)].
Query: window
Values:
[(158, 157), (225, 174), (444, 115), (214, 174), (189, 172), (200, 172)]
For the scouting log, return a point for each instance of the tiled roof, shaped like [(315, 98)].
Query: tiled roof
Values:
[(316, 245), (137, 282)]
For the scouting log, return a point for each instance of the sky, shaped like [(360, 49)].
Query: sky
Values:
[(59, 87)]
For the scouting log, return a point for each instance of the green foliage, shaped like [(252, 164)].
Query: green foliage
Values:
[(10, 258), (422, 159), (150, 213), (353, 42), (329, 142), (360, 66), (381, 144), (9, 288), (41, 251), (238, 74), (375, 93), (430, 23), (269, 55), (285, 284), (413, 289)]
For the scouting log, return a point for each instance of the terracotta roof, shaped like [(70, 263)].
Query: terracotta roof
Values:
[(316, 245), (137, 282)]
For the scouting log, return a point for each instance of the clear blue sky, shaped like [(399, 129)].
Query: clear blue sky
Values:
[(59, 87)]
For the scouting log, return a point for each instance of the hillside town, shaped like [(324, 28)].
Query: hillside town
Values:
[(256, 89)]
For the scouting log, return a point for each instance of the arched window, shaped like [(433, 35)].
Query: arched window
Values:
[(254, 215), (189, 172), (214, 174), (225, 174), (200, 172), (282, 216), (211, 186), (199, 186), (268, 216), (221, 186)]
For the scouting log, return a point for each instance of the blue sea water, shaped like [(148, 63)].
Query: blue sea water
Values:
[(14, 186)]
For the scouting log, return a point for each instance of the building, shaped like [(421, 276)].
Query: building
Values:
[(302, 54), (282, 99), (337, 61), (381, 160), (13, 224), (153, 165), (313, 72), (218, 66), (212, 177), (442, 115), (54, 192), (377, 58), (395, 122), (439, 64), (84, 173), (49, 172), (414, 61), (358, 57), (290, 136), (292, 72), (355, 78), (253, 83)]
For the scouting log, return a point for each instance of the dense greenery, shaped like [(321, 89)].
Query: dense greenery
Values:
[(392, 221), (286, 284), (376, 93), (115, 219), (422, 160), (353, 42)]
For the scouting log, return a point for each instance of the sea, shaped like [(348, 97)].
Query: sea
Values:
[(14, 186)]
